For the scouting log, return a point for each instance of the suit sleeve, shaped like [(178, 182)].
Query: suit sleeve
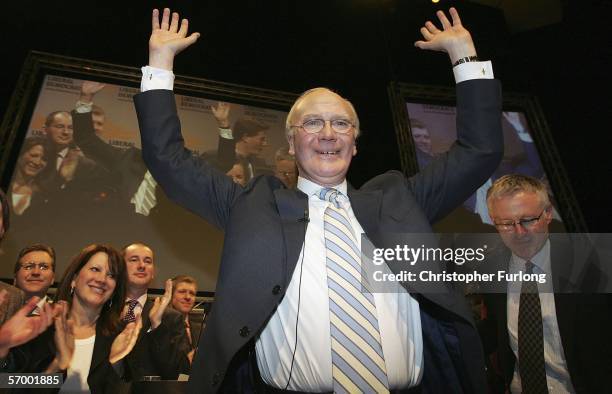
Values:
[(226, 153), (187, 180), (167, 348), (452, 177), (91, 145)]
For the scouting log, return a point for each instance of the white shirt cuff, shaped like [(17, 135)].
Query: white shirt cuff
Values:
[(156, 78), (473, 70), (82, 107), (525, 137), (226, 133)]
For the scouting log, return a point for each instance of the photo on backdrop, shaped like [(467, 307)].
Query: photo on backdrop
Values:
[(78, 177), (425, 127)]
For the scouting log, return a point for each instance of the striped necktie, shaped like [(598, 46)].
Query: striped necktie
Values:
[(144, 199), (358, 364)]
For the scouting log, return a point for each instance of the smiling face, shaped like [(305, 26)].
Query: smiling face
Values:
[(94, 283), (140, 266), (184, 297), (59, 129), (33, 161), (35, 281), (324, 157), (523, 241)]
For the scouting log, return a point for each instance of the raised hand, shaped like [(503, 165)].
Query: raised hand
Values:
[(125, 341), (167, 40), (453, 39), (221, 113), (64, 339), (21, 328), (89, 90), (159, 305)]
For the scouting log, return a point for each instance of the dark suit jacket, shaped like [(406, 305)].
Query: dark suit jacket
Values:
[(226, 156), (161, 351), (125, 165), (190, 343), (36, 355), (13, 302), (253, 276), (585, 320)]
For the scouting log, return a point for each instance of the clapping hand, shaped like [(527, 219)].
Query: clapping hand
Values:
[(22, 327), (159, 306), (125, 341), (64, 339)]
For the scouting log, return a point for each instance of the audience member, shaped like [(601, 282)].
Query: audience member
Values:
[(26, 181), (285, 168), (160, 350), (13, 297), (243, 142), (184, 290), (422, 142), (86, 341), (35, 271), (549, 337)]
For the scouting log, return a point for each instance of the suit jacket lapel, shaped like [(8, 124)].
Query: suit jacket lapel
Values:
[(292, 207), (366, 206), (146, 324), (565, 304), (101, 349)]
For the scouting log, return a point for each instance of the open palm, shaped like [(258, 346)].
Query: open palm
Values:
[(168, 38)]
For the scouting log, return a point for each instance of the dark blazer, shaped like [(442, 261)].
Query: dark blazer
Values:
[(196, 322), (254, 277), (36, 355), (585, 320), (226, 156), (125, 165), (159, 352), (13, 302)]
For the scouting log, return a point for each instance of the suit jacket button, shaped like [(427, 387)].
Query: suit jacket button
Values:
[(276, 290), (215, 379), (244, 331)]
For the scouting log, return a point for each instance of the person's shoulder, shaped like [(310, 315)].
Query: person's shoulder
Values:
[(171, 313), (15, 296), (12, 290), (385, 180)]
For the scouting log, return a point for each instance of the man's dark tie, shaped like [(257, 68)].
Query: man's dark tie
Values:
[(531, 338), (188, 332), (130, 316)]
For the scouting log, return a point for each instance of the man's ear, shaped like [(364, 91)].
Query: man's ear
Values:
[(548, 214), (291, 147), (354, 147)]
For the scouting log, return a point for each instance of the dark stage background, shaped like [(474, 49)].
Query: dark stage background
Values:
[(357, 47)]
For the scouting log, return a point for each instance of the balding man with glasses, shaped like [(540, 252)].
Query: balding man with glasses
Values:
[(289, 314)]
